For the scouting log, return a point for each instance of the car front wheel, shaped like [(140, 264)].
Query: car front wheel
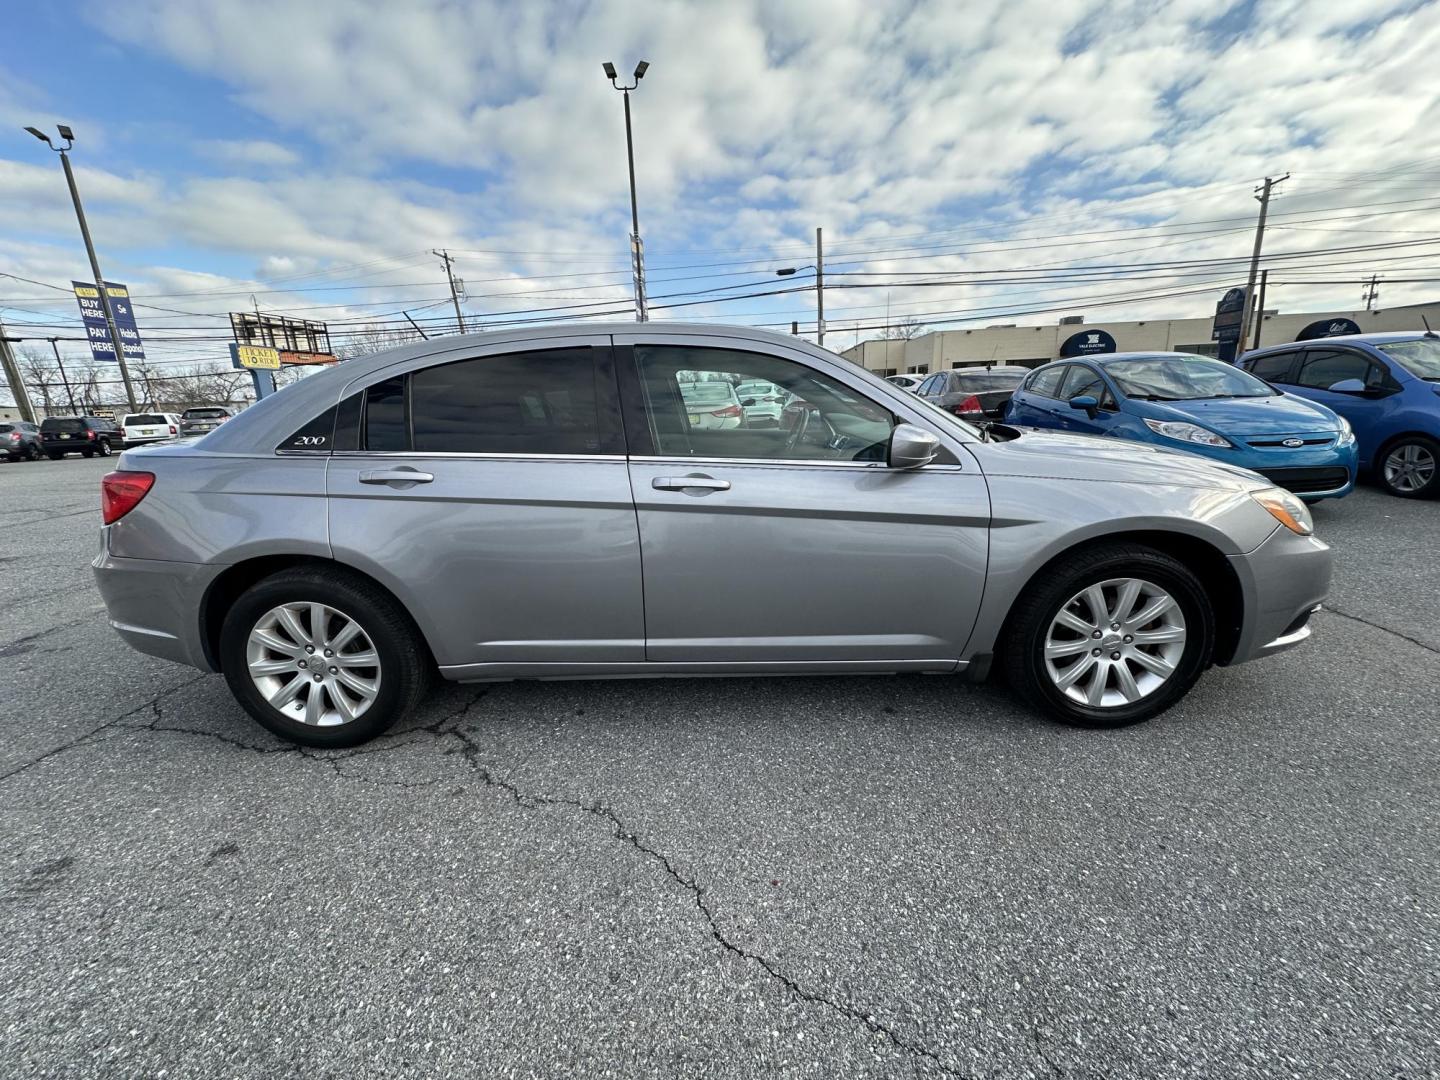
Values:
[(1411, 468), (321, 658), (1109, 636)]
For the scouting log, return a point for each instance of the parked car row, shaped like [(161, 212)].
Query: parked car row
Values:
[(100, 436)]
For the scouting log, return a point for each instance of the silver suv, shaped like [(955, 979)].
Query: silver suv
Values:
[(549, 504)]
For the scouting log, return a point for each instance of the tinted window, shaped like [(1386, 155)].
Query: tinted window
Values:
[(1047, 380), (1323, 368), (385, 426), (65, 423), (204, 414), (145, 418), (318, 434), (823, 420), (546, 402), (6, 427), (980, 382), (1272, 368)]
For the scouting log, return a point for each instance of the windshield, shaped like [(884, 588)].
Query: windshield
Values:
[(204, 414), (1420, 357), (1183, 378)]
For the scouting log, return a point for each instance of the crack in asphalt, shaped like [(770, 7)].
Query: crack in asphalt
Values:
[(469, 751), (152, 704), (1328, 610)]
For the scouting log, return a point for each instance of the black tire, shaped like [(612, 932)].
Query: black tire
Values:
[(32, 452), (405, 664), (103, 448), (1022, 657), (1397, 485)]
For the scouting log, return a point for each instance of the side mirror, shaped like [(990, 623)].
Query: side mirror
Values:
[(911, 447), (1348, 386), (1086, 402)]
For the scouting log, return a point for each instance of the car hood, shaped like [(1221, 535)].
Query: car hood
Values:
[(1043, 453), (1282, 414)]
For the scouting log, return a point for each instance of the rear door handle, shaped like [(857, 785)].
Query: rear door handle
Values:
[(681, 483), (403, 475)]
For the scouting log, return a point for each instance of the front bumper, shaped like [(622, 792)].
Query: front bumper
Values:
[(1282, 582), (155, 606)]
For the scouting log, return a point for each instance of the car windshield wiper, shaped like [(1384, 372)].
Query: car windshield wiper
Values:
[(1153, 397)]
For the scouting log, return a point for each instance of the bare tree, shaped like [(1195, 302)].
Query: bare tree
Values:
[(40, 378), (904, 330), (374, 337)]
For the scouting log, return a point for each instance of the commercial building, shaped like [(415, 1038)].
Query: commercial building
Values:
[(1031, 346)]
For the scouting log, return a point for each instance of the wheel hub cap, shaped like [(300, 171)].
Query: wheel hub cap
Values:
[(314, 664), (1409, 468), (1115, 643)]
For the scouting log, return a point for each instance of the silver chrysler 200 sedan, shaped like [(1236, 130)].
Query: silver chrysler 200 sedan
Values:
[(545, 504)]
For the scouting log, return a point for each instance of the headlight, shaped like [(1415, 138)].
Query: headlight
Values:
[(1286, 509), (1347, 433), (1183, 432)]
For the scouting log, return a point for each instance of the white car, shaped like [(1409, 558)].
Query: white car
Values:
[(762, 402), (906, 382), (711, 405), (138, 429)]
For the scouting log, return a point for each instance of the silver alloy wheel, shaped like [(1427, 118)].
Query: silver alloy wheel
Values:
[(313, 663), (1115, 642), (1409, 467)]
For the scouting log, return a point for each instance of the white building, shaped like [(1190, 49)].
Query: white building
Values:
[(1030, 346)]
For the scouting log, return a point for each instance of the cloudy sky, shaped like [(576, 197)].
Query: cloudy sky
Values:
[(970, 162)]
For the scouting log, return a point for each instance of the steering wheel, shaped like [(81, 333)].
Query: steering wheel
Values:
[(801, 428)]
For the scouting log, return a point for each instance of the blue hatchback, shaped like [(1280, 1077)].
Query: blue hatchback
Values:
[(1386, 385), (1193, 403)]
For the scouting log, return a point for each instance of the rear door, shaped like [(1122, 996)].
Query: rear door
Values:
[(1321, 368), (796, 544), (489, 491)]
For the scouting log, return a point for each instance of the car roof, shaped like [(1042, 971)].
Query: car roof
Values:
[(997, 369), (1352, 339)]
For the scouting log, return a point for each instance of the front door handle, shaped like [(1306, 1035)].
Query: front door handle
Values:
[(403, 476), (683, 483)]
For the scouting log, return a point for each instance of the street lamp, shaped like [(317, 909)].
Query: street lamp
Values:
[(69, 137), (819, 268), (637, 248)]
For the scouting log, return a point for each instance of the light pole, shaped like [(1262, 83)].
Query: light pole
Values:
[(637, 247), (69, 137), (819, 296)]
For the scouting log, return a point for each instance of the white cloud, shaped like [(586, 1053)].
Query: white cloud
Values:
[(250, 152)]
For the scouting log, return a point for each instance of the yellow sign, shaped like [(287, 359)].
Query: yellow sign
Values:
[(256, 356)]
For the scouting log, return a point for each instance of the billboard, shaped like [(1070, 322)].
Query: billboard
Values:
[(254, 356), (92, 311), (1229, 314), (1327, 328), (298, 341)]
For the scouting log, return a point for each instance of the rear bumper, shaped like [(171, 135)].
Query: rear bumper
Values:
[(155, 606), (1282, 581)]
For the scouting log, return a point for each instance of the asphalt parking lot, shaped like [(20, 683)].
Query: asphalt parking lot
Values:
[(891, 876)]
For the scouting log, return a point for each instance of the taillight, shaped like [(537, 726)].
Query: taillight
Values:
[(728, 410), (14, 436), (970, 404), (90, 435), (172, 430), (121, 492)]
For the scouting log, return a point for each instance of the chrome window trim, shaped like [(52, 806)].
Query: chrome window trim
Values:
[(678, 460), (427, 454)]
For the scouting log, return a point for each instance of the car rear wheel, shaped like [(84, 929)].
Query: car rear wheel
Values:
[(321, 658), (1410, 468), (1109, 637), (103, 448)]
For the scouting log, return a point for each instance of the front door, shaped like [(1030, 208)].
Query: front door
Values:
[(793, 543), (490, 493)]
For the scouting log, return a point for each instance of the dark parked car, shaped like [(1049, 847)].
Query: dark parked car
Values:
[(200, 421), (975, 393), (19, 440), (83, 435)]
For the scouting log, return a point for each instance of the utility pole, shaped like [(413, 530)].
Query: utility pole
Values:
[(65, 381), (819, 289), (637, 246), (454, 295), (12, 376), (1260, 309), (69, 137), (1372, 292), (1263, 197)]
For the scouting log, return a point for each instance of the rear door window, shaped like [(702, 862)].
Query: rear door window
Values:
[(1046, 381), (552, 401), (1275, 368), (386, 428)]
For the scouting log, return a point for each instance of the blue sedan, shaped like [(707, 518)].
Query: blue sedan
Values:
[(1386, 385), (1194, 403)]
